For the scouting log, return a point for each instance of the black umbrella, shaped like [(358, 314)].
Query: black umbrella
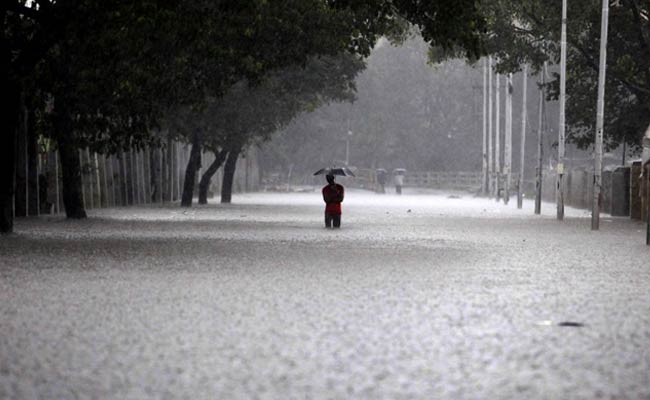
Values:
[(334, 171)]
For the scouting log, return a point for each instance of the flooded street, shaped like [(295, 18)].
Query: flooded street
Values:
[(418, 296)]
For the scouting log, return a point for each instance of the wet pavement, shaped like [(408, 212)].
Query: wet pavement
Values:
[(416, 297)]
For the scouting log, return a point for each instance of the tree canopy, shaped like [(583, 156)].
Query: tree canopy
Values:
[(104, 73), (528, 31)]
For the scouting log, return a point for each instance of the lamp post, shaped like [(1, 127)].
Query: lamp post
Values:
[(347, 148), (522, 144), (645, 161), (540, 146), (507, 145), (484, 156), (497, 137), (490, 152), (598, 146), (561, 137)]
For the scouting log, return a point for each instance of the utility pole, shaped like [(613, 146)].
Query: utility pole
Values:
[(490, 151), (497, 149), (507, 146), (559, 194), (645, 160), (484, 186), (522, 152), (56, 181), (600, 114), (347, 143), (540, 143)]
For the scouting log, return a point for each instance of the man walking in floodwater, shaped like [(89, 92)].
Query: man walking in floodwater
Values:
[(333, 196)]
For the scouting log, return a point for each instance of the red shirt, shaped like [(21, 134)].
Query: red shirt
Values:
[(333, 196)]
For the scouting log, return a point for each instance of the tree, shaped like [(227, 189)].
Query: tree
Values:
[(252, 113), (114, 68), (406, 115), (521, 32)]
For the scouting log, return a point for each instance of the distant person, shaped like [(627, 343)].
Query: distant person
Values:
[(398, 177), (45, 207), (381, 180), (333, 196)]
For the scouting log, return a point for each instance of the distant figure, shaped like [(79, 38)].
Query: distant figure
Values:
[(398, 177), (381, 180), (333, 196), (45, 207)]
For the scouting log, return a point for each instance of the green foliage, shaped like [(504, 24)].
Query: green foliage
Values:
[(445, 23), (117, 68), (252, 113), (528, 31), (405, 116)]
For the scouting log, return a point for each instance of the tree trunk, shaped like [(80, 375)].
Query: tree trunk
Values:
[(154, 175), (229, 174), (70, 167), (190, 173), (169, 174), (9, 107), (32, 164), (21, 187), (204, 184), (71, 176), (261, 166)]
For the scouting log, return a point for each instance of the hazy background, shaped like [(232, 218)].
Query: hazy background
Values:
[(414, 115)]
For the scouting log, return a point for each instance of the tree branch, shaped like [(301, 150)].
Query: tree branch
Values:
[(24, 11), (636, 13), (634, 88)]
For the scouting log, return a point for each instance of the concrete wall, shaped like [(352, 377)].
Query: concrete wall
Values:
[(578, 190), (635, 191)]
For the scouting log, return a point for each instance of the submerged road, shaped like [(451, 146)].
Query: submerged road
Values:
[(416, 297)]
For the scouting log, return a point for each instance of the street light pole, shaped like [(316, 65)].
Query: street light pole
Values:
[(561, 133), (522, 151), (598, 146), (497, 147), (645, 160), (540, 143), (484, 161), (490, 152), (347, 148), (507, 146)]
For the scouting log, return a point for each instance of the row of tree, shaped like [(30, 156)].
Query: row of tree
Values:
[(422, 118), (113, 74), (528, 32), (406, 115)]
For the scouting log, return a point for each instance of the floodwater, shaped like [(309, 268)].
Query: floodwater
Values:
[(424, 295)]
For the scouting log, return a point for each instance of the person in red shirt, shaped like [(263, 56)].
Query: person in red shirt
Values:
[(333, 196)]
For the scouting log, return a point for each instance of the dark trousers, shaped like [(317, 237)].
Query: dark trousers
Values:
[(332, 218)]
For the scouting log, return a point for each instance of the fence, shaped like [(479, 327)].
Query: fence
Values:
[(624, 192), (126, 178), (366, 178), (444, 180)]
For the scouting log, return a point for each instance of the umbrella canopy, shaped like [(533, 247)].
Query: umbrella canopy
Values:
[(342, 171)]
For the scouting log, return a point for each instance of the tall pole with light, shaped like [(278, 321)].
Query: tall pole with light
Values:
[(507, 145), (600, 116), (347, 140), (559, 194), (522, 148), (540, 143), (490, 151), (347, 148), (497, 137), (484, 157), (645, 160)]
